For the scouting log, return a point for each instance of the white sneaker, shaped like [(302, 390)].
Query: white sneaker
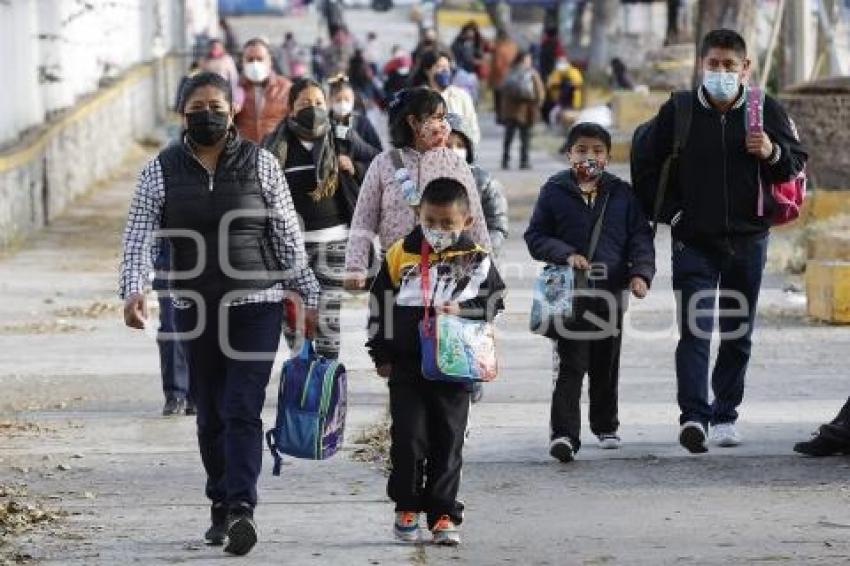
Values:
[(609, 441), (692, 436), (725, 435)]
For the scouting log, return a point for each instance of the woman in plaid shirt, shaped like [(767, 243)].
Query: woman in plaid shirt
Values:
[(224, 208)]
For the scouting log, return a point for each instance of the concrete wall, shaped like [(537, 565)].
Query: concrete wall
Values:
[(821, 112), (43, 174)]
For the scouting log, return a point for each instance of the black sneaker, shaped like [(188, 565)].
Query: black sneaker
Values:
[(692, 436), (173, 406), (191, 408), (822, 445), (562, 449), (525, 166), (241, 530), (217, 532)]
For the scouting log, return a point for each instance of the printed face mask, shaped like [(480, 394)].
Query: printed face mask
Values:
[(257, 71), (589, 169), (721, 85), (206, 127), (440, 239), (435, 133)]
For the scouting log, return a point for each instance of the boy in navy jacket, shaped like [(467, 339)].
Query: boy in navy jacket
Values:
[(624, 260)]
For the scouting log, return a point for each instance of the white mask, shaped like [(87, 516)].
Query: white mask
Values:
[(461, 152), (343, 108), (257, 71)]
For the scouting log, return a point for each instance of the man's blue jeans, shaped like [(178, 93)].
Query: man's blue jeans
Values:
[(736, 270)]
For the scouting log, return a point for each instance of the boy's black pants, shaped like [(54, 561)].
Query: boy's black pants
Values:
[(428, 426), (599, 357)]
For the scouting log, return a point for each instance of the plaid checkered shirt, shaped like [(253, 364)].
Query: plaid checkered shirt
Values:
[(141, 245)]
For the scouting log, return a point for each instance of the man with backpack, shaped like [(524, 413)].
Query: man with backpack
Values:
[(706, 169)]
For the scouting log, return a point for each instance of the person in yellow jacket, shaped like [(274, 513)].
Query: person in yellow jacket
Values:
[(563, 88)]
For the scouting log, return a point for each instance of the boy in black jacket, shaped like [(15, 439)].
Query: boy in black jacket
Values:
[(429, 418), (559, 233)]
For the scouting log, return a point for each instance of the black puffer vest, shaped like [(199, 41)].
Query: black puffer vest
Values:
[(230, 200)]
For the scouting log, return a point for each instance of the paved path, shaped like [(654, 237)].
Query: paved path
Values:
[(132, 481)]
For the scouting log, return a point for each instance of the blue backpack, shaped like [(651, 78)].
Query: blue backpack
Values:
[(311, 406)]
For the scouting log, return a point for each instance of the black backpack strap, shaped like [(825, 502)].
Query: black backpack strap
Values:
[(683, 102), (597, 228)]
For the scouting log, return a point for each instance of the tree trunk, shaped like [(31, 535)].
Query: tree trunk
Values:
[(604, 13), (739, 15)]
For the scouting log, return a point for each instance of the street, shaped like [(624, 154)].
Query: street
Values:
[(82, 395)]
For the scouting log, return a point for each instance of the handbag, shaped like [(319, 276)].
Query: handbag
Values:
[(454, 349), (560, 295)]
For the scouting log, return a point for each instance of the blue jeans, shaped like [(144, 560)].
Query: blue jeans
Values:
[(172, 355), (697, 275), (230, 393)]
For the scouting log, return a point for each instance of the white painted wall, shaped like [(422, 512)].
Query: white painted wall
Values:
[(52, 52)]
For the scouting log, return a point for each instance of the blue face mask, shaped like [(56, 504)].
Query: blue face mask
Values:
[(443, 78), (721, 85)]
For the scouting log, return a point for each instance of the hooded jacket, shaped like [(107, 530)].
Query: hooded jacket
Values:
[(493, 201), (562, 222)]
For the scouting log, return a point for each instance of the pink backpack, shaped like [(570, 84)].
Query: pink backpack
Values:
[(787, 195)]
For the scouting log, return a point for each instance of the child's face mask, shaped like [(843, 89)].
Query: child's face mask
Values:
[(589, 169), (440, 239)]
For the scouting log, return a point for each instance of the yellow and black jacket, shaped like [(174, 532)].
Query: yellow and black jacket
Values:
[(463, 274)]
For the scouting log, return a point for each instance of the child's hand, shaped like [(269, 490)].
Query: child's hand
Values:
[(578, 261), (384, 370), (450, 308), (638, 287)]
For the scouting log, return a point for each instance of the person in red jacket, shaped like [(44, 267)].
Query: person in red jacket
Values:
[(265, 91)]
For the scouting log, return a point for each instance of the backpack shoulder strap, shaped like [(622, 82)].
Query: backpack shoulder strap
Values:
[(683, 102), (398, 162), (597, 228)]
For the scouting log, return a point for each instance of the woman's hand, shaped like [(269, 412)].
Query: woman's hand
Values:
[(345, 164), (384, 370), (136, 311)]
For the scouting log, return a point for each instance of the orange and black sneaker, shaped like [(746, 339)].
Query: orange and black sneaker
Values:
[(445, 532), (406, 526)]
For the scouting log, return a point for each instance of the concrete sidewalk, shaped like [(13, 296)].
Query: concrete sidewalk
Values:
[(132, 482)]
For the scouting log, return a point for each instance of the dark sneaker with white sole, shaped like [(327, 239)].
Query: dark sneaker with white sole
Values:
[(241, 530), (692, 436), (217, 533), (562, 449)]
